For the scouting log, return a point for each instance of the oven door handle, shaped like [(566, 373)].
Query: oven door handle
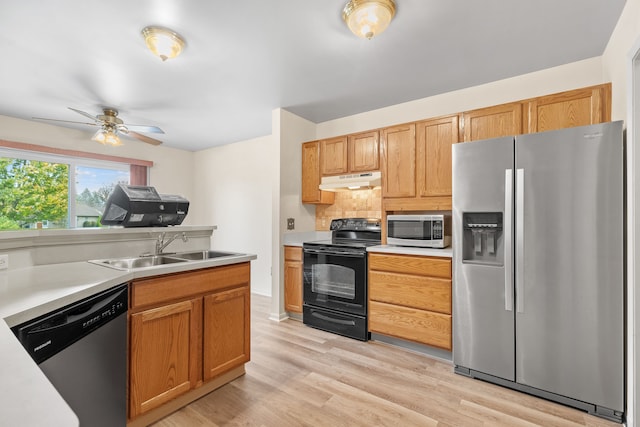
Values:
[(334, 252), (332, 320)]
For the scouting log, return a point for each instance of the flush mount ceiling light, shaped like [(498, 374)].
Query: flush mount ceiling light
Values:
[(107, 135), (163, 42), (368, 18)]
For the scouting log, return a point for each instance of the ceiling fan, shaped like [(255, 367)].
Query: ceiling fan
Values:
[(111, 125)]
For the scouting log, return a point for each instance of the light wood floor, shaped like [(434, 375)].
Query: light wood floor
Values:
[(299, 376)]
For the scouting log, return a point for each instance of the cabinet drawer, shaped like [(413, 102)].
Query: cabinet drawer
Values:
[(172, 287), (421, 292), (292, 253), (412, 324), (411, 264)]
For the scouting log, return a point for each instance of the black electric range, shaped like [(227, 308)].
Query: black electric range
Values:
[(335, 277)]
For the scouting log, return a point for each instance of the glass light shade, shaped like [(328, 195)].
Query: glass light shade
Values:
[(368, 18), (107, 137), (162, 42)]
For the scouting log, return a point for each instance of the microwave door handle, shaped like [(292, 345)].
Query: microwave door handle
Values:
[(508, 240)]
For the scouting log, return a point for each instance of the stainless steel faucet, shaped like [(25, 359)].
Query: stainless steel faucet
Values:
[(161, 243)]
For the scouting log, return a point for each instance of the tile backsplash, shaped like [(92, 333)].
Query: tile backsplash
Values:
[(350, 204)]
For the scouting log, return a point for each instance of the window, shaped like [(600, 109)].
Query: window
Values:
[(93, 186), (42, 190)]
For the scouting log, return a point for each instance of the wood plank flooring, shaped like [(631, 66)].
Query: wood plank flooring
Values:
[(300, 376)]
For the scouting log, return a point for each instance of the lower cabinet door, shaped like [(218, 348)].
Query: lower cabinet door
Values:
[(226, 331), (165, 353), (293, 286), (421, 326)]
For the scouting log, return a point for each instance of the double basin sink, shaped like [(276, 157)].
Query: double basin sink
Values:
[(133, 263)]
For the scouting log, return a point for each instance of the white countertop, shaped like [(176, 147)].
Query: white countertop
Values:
[(27, 398), (407, 250), (298, 238)]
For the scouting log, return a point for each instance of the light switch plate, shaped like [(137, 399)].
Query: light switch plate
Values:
[(291, 223), (4, 261)]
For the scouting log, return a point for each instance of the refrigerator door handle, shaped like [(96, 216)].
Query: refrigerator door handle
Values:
[(508, 240), (520, 240)]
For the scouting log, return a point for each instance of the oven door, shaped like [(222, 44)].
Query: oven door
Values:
[(336, 278)]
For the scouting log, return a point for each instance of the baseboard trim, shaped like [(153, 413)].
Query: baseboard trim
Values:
[(278, 317), (436, 353)]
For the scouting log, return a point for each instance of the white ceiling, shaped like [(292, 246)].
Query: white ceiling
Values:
[(245, 58)]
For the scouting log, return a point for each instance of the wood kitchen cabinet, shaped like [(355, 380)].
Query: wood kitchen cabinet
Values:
[(311, 176), (398, 161), (164, 354), (415, 158), (187, 331), (333, 156), (578, 107), (293, 268), (410, 298), (364, 152), (416, 164), (434, 141), (493, 122), (225, 331), (350, 154)]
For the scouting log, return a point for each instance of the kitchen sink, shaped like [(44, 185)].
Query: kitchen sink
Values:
[(134, 263), (137, 262), (202, 255)]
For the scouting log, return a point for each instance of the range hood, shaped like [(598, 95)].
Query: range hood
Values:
[(352, 181)]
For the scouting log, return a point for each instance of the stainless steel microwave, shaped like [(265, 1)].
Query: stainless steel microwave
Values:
[(425, 231)]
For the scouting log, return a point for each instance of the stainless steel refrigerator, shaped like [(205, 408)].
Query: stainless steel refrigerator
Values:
[(538, 287)]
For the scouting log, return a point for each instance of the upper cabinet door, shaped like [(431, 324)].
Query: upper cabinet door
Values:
[(364, 152), (493, 122), (434, 141), (398, 161), (311, 175), (333, 156), (579, 107)]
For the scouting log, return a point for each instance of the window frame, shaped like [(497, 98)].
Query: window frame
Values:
[(137, 169)]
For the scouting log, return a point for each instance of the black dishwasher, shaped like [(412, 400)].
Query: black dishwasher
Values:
[(82, 350)]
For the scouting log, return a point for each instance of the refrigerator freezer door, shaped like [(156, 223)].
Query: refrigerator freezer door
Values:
[(483, 320), (569, 320)]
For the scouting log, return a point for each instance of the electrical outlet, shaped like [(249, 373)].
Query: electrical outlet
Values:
[(4, 261), (291, 223)]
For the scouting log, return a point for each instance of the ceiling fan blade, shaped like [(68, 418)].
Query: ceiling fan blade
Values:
[(144, 128), (143, 138), (65, 121), (84, 114)]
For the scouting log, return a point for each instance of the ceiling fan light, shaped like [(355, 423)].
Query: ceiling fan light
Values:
[(368, 18), (163, 42), (107, 137), (112, 139), (99, 136)]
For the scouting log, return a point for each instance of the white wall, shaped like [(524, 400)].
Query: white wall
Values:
[(171, 173), (233, 184), (618, 66), (289, 131), (615, 60), (294, 131), (566, 77)]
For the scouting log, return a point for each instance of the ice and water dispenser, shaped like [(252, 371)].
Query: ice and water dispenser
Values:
[(483, 241)]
